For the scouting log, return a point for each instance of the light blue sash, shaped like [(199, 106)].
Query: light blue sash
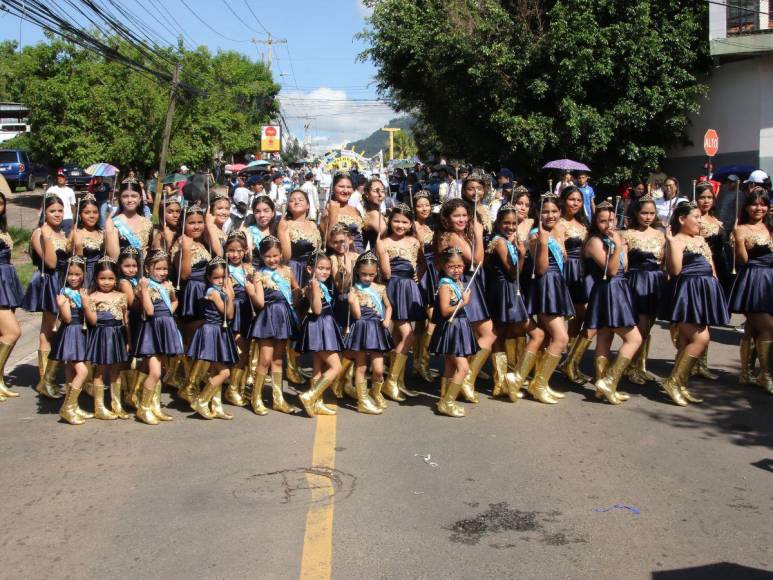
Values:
[(126, 233), (237, 273), (374, 296), (284, 288), (444, 281), (163, 292), (73, 295), (511, 249), (325, 292)]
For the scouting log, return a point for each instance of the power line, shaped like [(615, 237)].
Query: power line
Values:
[(292, 68), (255, 16), (205, 23), (238, 17), (172, 19)]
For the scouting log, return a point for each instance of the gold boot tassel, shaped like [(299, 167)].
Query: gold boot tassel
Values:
[(5, 352), (280, 404), (145, 412), (468, 385), (69, 412)]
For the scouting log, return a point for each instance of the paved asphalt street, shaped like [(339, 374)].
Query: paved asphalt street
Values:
[(576, 490)]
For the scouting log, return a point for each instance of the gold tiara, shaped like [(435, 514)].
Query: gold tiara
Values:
[(404, 207), (106, 260), (130, 251), (452, 250), (645, 198), (549, 196), (218, 195), (422, 193), (705, 184), (604, 205), (690, 204), (476, 176), (270, 238), (77, 260), (507, 206), (520, 189), (157, 255), (195, 208), (368, 256), (236, 235), (88, 197), (217, 261), (262, 198), (339, 228)]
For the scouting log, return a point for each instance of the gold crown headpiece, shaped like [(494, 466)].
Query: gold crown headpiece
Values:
[(217, 261), (270, 238), (646, 198), (77, 260), (106, 259), (507, 206), (130, 251), (88, 197), (404, 207), (368, 256), (236, 235), (195, 208), (157, 255), (422, 193), (452, 250), (339, 228), (604, 205)]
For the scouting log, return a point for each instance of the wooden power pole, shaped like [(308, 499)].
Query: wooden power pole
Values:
[(167, 131), (391, 131)]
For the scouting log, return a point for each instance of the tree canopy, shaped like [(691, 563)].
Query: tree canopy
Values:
[(85, 108), (608, 82)]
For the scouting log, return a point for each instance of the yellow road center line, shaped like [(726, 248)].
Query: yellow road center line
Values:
[(317, 559)]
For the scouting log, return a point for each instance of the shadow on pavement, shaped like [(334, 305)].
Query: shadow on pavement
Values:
[(723, 570)]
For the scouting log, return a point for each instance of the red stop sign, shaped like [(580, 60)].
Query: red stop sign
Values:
[(271, 131), (711, 142)]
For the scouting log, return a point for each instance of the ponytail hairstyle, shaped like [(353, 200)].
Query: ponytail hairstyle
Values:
[(681, 210)]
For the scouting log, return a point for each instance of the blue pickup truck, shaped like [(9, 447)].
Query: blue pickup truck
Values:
[(19, 170)]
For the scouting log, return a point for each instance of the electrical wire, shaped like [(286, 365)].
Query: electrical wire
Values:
[(205, 23), (255, 16), (240, 18)]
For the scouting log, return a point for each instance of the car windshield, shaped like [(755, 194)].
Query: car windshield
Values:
[(7, 156)]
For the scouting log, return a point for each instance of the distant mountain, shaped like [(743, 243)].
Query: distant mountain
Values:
[(378, 139)]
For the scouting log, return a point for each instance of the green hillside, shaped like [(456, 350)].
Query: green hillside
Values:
[(377, 140)]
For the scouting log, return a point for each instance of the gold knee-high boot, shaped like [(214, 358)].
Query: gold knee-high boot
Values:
[(421, 358), (5, 352), (364, 402), (279, 403), (468, 385), (677, 380), (447, 404), (100, 410), (144, 411), (390, 387), (747, 376), (257, 395), (341, 385), (701, 368), (312, 398), (201, 403), (68, 411), (233, 392), (763, 351), (526, 363), (294, 374), (607, 384), (252, 369), (545, 367), (170, 376), (190, 389), (47, 385), (511, 349), (499, 362), (158, 411), (216, 406), (601, 367), (403, 387), (571, 366), (115, 400), (375, 394), (132, 397), (637, 372)]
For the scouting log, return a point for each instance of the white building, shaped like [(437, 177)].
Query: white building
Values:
[(739, 100)]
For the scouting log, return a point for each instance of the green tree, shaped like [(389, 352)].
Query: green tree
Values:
[(610, 82), (405, 146), (85, 109)]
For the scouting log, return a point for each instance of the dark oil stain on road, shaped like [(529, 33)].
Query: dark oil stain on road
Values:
[(499, 518), (291, 487)]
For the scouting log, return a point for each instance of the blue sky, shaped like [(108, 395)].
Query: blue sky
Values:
[(317, 68)]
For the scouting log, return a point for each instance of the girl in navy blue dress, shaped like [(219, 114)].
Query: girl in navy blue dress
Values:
[(398, 255), (453, 339), (369, 335), (428, 284), (11, 294), (167, 220), (213, 349), (259, 224), (128, 277), (338, 210), (753, 287), (158, 338), (69, 346), (457, 230), (107, 315), (320, 336), (697, 300), (87, 239), (241, 275), (575, 226), (50, 251), (506, 303), (275, 322), (645, 250), (610, 307), (300, 238), (340, 283), (549, 297)]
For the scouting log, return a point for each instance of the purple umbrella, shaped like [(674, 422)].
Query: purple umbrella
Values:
[(566, 165)]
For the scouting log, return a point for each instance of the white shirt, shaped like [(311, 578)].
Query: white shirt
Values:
[(664, 207), (278, 196), (356, 202), (311, 192), (67, 195)]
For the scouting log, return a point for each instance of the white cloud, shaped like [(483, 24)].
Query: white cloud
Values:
[(334, 117)]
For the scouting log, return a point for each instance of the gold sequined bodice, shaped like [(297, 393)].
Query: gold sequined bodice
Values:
[(93, 241), (299, 233), (709, 228), (115, 306), (348, 220), (5, 237), (199, 253), (410, 253), (574, 229), (644, 244), (425, 235), (485, 218), (698, 245), (364, 299), (144, 232), (265, 278)]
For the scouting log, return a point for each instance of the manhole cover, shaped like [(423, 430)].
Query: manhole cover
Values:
[(295, 487)]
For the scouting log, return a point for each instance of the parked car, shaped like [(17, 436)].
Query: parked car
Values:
[(77, 178), (19, 170)]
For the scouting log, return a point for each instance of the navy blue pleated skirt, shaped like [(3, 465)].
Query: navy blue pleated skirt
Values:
[(190, 296), (476, 309), (368, 334), (213, 343), (242, 320), (11, 291), (752, 291), (574, 274), (320, 334), (33, 296), (50, 288), (273, 321), (406, 298), (549, 294), (505, 304), (106, 344), (158, 336), (454, 338), (647, 290), (610, 304), (429, 281), (70, 342)]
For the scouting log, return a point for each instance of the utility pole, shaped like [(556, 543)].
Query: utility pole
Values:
[(391, 131), (167, 129), (270, 42)]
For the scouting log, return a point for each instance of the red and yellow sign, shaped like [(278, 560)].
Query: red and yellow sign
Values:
[(270, 138)]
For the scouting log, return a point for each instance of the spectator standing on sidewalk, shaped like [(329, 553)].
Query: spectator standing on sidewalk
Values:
[(67, 195)]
